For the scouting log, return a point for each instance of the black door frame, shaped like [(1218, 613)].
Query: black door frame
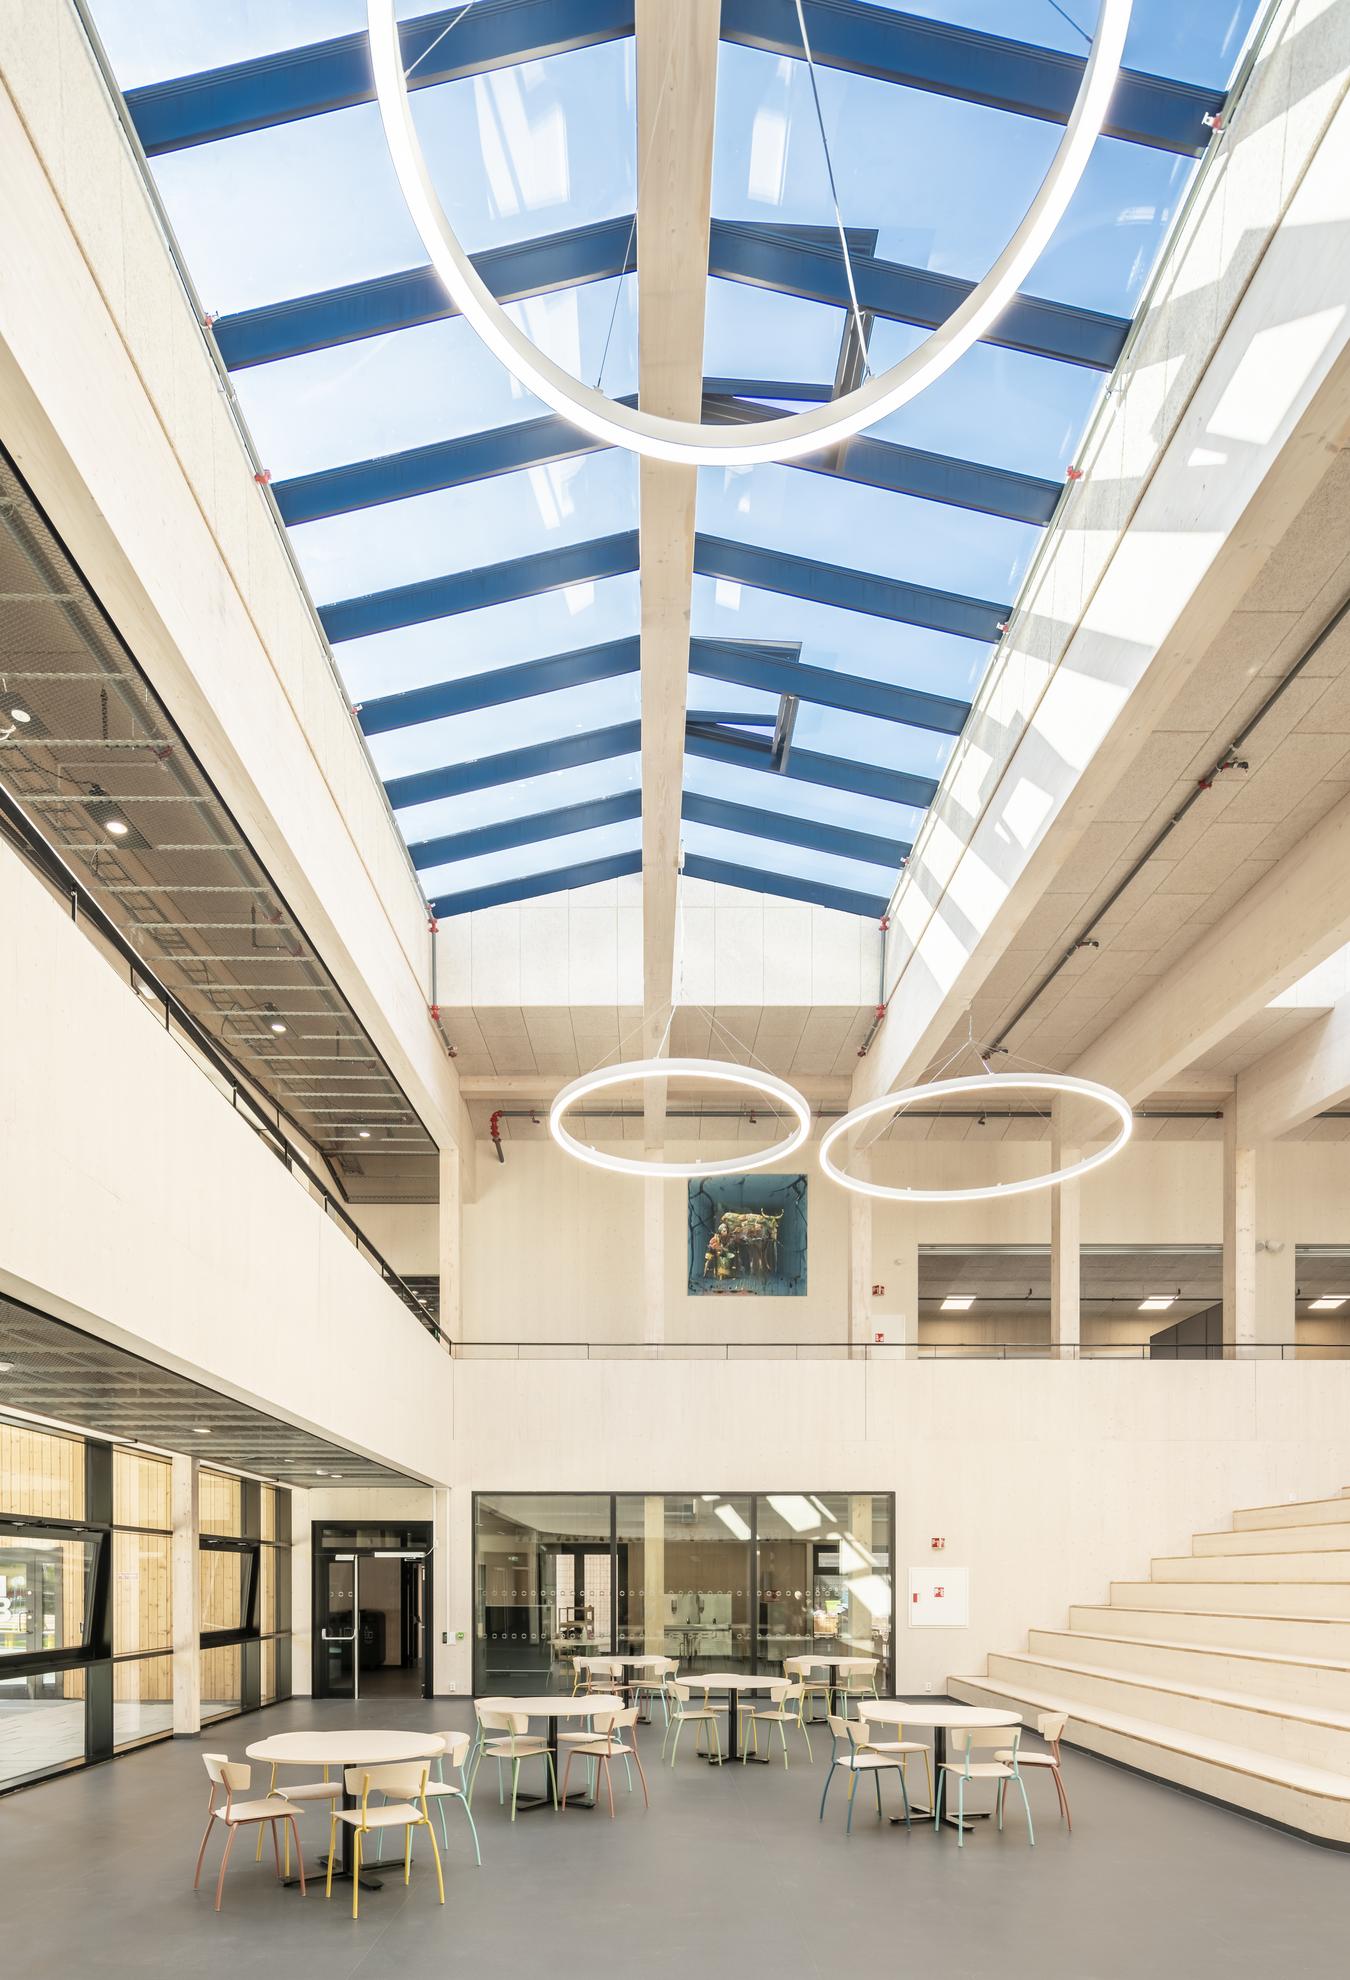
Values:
[(416, 1534)]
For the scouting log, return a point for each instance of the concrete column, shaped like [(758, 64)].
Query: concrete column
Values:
[(444, 1665), (653, 1254), (302, 1597), (654, 1575), (1276, 1286), (455, 1606), (187, 1628), (1065, 1247), (450, 1242), (1239, 1241), (860, 1319), (902, 1289)]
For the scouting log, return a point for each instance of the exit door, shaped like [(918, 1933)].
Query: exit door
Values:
[(338, 1624)]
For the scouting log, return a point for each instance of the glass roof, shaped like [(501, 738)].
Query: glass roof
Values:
[(476, 563)]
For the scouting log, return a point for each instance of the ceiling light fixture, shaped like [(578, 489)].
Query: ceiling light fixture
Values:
[(200, 1430), (895, 1103), (783, 439), (363, 1134), (733, 1521), (117, 827), (1328, 1302), (19, 715), (957, 1303), (1157, 1303), (719, 1072)]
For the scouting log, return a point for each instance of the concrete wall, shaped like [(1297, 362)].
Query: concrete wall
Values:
[(136, 1203)]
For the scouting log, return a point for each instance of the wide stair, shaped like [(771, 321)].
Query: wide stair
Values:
[(1228, 1672)]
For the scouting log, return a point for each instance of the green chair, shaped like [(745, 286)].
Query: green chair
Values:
[(850, 1750), (972, 1739), (518, 1744), (684, 1712)]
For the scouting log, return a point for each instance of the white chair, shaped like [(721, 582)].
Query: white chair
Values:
[(859, 1758), (1050, 1726), (302, 1793), (973, 1739), (605, 1744), (652, 1683), (801, 1670), (785, 1708), (605, 1675), (858, 1680), (906, 1749), (408, 1781), (685, 1713), (439, 1790), (518, 1744), (233, 1775)]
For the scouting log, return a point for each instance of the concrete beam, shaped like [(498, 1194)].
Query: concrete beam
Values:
[(1299, 1080), (676, 95), (1295, 916)]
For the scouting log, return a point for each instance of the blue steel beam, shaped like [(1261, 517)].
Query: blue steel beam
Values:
[(777, 670), (837, 773), (977, 67), (414, 295), (785, 829), (489, 584), (491, 690), (797, 261), (528, 831), (531, 885), (697, 866), (850, 591), (772, 258), (533, 443), (330, 75), (485, 772)]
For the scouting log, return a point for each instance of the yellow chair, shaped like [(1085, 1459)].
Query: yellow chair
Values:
[(408, 1814)]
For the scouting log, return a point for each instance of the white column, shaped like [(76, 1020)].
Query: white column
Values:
[(1065, 1249), (302, 1597), (450, 1242), (860, 1327), (902, 1288), (654, 1575), (1239, 1240), (653, 1254), (187, 1629), (1276, 1286), (453, 1662), (445, 1664)]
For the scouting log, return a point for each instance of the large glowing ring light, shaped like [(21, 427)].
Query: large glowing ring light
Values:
[(717, 1071), (895, 1103), (795, 434)]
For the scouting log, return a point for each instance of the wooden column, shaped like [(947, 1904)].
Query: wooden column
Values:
[(187, 1663)]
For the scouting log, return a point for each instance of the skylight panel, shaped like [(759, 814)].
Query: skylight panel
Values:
[(515, 725), (542, 856), (1193, 43), (154, 40), (546, 792), (765, 792), (1004, 408), (792, 862), (459, 529)]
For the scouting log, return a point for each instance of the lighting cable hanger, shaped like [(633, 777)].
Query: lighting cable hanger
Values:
[(783, 439)]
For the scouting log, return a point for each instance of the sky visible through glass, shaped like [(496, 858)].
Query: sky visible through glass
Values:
[(548, 146)]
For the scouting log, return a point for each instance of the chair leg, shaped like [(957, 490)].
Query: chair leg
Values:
[(224, 1862), (678, 1724), (928, 1771), (904, 1794), (1063, 1797), (473, 1831), (998, 1803), (407, 1854), (299, 1853), (937, 1800), (287, 1824), (356, 1873), (201, 1853), (515, 1784), (829, 1776), (646, 1798), (436, 1859), (440, 1809), (553, 1776), (876, 1783), (276, 1846), (1031, 1833), (609, 1787), (961, 1812), (852, 1786), (567, 1774), (332, 1852)]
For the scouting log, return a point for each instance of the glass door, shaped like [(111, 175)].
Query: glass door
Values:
[(337, 1622)]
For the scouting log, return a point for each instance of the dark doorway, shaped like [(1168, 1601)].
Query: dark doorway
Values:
[(372, 1602)]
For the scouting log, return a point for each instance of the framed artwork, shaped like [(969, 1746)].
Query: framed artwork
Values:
[(747, 1235)]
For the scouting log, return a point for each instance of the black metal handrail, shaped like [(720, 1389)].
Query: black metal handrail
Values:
[(26, 839)]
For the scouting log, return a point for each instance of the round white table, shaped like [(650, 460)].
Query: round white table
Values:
[(553, 1706), (733, 1682), (936, 1715), (357, 1746)]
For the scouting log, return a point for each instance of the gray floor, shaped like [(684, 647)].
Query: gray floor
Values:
[(729, 1874)]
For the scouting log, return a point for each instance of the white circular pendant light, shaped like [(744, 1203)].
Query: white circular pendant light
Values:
[(985, 1083), (716, 1072), (783, 439)]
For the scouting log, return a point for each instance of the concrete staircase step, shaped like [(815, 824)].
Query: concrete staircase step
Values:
[(1312, 1737), (1292, 1680), (1313, 1801), (1320, 1638), (1290, 1568), (1297, 1512), (1331, 1537), (1280, 1598)]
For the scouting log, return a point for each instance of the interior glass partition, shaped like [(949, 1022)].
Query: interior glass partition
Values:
[(715, 1580)]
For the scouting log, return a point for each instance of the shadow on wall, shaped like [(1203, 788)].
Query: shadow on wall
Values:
[(747, 1234)]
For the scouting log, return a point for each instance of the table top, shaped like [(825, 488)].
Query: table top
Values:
[(933, 1712), (555, 1705), (618, 1657), (357, 1746), (729, 1680), (839, 1663)]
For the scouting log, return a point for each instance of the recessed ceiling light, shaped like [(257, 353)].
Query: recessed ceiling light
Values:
[(1157, 1303), (363, 1134), (118, 827), (1328, 1302), (200, 1430), (6, 1367), (19, 715), (275, 1024), (958, 1303)]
